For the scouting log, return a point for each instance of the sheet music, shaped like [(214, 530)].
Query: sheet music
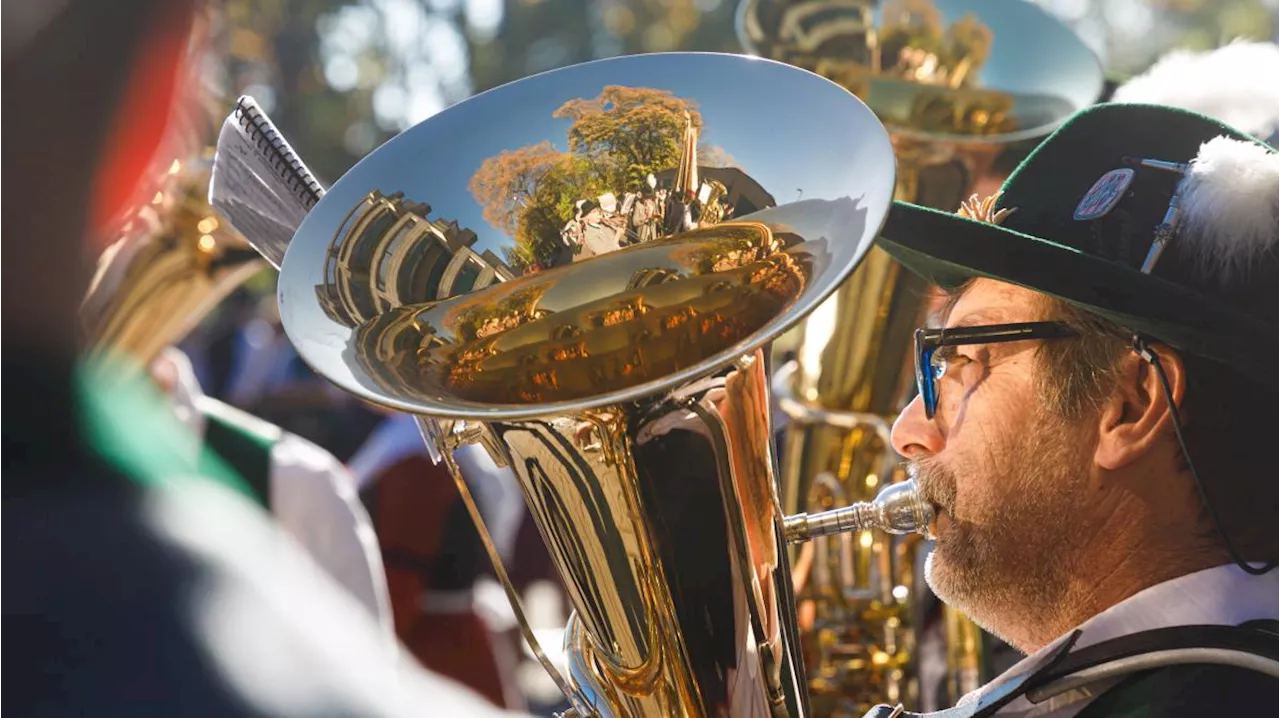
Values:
[(259, 184)]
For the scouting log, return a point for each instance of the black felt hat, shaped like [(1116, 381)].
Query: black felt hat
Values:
[(1090, 253)]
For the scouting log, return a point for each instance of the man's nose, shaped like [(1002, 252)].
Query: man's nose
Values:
[(913, 432)]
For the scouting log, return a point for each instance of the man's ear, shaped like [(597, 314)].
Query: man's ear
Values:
[(1136, 415)]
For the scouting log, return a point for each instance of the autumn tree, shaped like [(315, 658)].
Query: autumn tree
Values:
[(615, 140), (529, 194), (505, 184), (628, 132)]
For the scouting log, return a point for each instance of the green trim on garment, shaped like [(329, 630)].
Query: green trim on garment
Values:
[(126, 421), (244, 441)]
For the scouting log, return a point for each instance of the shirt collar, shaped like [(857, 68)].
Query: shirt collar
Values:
[(1223, 595)]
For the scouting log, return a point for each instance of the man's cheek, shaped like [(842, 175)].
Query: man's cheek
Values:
[(978, 498)]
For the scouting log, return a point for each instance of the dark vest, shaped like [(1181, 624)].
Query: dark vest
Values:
[(1190, 690)]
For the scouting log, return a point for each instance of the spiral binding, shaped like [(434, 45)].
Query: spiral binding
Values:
[(277, 153)]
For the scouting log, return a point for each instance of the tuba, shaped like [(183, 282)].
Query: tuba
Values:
[(957, 83), (468, 272)]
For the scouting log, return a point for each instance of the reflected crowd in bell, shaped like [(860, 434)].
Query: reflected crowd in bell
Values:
[(692, 284)]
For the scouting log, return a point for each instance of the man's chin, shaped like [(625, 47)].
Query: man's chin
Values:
[(954, 590), (950, 581)]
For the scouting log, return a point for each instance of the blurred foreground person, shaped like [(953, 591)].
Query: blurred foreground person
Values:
[(135, 586), (1094, 417), (168, 262)]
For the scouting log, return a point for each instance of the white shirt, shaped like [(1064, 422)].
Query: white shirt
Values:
[(394, 439), (1223, 595)]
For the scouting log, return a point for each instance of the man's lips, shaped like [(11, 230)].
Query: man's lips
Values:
[(941, 521)]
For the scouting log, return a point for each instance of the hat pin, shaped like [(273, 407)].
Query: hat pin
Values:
[(1167, 227)]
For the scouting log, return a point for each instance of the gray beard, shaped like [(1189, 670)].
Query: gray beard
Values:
[(1012, 571)]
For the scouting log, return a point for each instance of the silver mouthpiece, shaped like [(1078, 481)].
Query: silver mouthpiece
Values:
[(897, 509)]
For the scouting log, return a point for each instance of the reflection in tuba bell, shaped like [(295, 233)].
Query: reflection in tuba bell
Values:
[(628, 390), (955, 83)]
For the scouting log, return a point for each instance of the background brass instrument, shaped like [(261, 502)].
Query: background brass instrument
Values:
[(170, 259), (173, 264), (628, 390), (956, 82)]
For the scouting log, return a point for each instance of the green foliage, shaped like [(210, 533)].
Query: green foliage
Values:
[(568, 180), (529, 193)]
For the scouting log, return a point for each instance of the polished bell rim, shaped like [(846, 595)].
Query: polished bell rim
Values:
[(786, 129)]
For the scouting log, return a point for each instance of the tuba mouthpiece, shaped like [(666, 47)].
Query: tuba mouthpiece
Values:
[(898, 509)]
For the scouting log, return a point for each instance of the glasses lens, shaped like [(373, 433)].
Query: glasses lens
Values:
[(938, 365), (920, 365), (927, 380), (924, 373)]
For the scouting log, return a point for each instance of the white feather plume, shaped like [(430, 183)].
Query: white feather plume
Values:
[(1237, 84), (1229, 213)]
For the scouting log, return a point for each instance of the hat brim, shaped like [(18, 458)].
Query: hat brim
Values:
[(947, 249)]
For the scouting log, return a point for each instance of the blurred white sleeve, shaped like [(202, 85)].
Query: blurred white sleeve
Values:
[(278, 630)]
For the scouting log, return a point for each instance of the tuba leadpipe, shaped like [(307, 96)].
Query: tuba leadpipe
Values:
[(625, 386), (954, 93), (898, 509)]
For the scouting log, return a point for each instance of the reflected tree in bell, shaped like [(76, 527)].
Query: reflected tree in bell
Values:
[(615, 141), (629, 132)]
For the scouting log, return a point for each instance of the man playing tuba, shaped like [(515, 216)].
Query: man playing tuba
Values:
[(1096, 407)]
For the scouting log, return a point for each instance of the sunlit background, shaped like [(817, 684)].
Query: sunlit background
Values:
[(342, 76)]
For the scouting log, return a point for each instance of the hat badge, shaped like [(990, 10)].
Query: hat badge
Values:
[(1103, 196)]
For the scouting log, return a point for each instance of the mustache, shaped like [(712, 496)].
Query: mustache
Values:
[(935, 482)]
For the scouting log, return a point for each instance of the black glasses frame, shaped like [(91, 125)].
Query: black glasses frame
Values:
[(927, 342)]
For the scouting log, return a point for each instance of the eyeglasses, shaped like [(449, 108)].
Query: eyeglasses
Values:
[(930, 367)]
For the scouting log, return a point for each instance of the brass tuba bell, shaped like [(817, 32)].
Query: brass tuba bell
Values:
[(504, 270), (956, 82)]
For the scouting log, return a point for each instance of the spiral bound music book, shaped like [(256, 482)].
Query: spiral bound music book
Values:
[(259, 184)]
